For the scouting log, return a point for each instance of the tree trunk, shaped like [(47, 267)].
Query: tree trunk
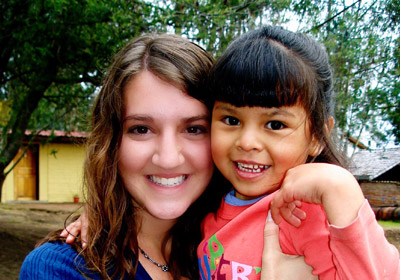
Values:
[(2, 179)]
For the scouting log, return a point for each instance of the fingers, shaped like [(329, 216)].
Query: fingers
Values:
[(72, 231), (289, 211)]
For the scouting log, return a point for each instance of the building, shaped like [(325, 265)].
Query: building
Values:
[(50, 170), (378, 172)]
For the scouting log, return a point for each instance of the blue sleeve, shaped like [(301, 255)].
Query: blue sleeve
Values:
[(52, 261)]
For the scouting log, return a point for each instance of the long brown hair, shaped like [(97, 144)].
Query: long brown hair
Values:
[(112, 230)]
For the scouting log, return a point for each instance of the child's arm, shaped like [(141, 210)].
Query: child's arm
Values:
[(359, 247), (332, 186)]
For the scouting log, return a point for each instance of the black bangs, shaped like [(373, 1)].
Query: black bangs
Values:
[(259, 72)]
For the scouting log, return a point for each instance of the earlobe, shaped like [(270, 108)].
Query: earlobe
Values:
[(316, 147)]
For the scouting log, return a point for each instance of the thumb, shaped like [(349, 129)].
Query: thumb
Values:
[(271, 250), (271, 237)]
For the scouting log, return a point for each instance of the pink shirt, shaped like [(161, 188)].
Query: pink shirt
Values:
[(233, 242)]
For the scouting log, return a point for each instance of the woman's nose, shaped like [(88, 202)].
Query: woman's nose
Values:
[(168, 154), (249, 140)]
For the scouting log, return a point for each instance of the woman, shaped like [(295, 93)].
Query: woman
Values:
[(148, 162)]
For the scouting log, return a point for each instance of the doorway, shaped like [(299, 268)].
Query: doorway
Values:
[(25, 174)]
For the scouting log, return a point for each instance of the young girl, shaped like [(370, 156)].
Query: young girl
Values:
[(271, 124), (270, 131)]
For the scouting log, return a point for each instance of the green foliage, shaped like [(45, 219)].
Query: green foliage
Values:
[(53, 54), (52, 57), (362, 40)]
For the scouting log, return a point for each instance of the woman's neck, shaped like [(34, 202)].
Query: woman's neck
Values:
[(153, 231), (153, 238)]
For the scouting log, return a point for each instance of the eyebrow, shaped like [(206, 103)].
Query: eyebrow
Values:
[(146, 118), (197, 118), (279, 111), (273, 111), (137, 118)]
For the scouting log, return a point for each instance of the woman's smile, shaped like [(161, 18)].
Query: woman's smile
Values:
[(168, 182), (165, 157)]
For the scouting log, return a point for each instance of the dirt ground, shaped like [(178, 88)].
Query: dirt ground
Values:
[(22, 225)]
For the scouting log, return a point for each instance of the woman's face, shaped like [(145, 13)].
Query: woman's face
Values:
[(164, 158)]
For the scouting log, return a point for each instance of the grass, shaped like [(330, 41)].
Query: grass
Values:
[(390, 224)]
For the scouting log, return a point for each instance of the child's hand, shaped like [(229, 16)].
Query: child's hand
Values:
[(74, 229), (332, 186)]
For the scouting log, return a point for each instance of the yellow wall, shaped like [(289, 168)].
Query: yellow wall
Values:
[(8, 187), (60, 170)]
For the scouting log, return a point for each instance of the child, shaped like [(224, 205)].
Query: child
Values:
[(272, 114), (271, 118)]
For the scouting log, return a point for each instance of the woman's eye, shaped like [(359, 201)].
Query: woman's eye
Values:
[(139, 130), (231, 120), (275, 125), (196, 130)]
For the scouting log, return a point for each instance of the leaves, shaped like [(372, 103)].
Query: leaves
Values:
[(53, 54)]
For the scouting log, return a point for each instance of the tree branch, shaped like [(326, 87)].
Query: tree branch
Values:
[(333, 17)]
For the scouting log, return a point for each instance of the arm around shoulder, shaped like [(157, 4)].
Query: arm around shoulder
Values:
[(52, 261)]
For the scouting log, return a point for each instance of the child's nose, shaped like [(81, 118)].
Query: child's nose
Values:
[(249, 140)]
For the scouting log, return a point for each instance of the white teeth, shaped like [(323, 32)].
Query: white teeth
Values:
[(168, 182), (250, 167)]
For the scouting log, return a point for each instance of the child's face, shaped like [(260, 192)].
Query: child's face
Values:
[(253, 147)]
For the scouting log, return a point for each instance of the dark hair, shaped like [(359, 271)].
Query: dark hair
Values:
[(273, 67)]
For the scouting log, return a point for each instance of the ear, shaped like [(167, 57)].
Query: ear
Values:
[(329, 125), (316, 146)]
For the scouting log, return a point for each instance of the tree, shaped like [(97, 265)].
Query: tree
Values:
[(52, 55), (361, 40)]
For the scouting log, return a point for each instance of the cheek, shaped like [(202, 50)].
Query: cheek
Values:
[(199, 155), (289, 154), (133, 156), (220, 146)]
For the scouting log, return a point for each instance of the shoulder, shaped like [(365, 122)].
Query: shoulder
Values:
[(52, 261)]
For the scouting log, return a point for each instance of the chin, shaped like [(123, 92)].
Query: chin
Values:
[(170, 213)]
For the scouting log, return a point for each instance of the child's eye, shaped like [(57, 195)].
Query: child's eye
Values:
[(275, 125), (196, 130), (231, 120), (139, 129)]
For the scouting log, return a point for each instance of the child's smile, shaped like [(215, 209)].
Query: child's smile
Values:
[(253, 147), (250, 170)]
